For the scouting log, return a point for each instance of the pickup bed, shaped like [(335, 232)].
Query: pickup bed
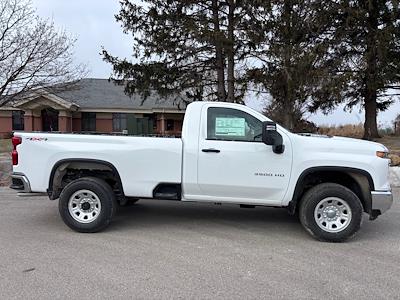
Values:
[(228, 153)]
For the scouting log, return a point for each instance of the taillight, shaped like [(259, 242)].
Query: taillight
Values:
[(16, 140)]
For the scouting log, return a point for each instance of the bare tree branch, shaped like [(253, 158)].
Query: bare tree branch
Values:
[(34, 54)]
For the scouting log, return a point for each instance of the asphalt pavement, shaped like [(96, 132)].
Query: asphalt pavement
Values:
[(173, 250)]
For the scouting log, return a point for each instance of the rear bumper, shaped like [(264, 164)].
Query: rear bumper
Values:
[(20, 183), (381, 201)]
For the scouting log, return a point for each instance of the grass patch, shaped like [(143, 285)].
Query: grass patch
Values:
[(5, 145), (348, 130), (392, 143)]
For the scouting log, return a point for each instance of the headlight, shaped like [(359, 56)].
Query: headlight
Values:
[(382, 154)]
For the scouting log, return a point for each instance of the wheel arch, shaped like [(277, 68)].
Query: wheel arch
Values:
[(59, 169), (358, 180)]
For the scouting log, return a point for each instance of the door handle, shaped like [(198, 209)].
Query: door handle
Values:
[(211, 150)]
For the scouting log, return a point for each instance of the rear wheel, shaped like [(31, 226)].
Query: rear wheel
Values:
[(87, 204), (331, 212)]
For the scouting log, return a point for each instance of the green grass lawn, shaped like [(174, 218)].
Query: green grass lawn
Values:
[(5, 145)]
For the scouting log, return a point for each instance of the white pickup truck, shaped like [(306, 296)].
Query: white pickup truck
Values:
[(228, 153)]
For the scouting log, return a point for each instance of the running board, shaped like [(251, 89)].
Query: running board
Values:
[(166, 196)]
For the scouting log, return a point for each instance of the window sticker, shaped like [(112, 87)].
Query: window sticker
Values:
[(230, 126)]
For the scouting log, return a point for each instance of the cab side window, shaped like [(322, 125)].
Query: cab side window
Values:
[(229, 124)]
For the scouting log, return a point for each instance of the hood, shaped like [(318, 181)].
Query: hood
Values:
[(341, 144)]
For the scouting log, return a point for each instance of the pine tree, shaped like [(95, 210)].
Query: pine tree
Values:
[(294, 41), (190, 48), (367, 36)]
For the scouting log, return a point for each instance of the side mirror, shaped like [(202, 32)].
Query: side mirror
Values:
[(271, 137)]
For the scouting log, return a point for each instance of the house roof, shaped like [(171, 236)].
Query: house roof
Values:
[(45, 99), (104, 94)]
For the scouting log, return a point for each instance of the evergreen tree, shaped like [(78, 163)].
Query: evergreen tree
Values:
[(295, 42), (367, 36), (190, 48)]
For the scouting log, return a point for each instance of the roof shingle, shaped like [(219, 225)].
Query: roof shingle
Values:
[(102, 93)]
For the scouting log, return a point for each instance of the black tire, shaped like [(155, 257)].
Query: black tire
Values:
[(314, 196), (105, 195)]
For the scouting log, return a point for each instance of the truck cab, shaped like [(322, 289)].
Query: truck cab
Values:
[(226, 160)]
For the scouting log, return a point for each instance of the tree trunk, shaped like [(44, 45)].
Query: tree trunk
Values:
[(288, 104), (371, 76), (287, 117), (370, 124), (219, 55), (230, 52)]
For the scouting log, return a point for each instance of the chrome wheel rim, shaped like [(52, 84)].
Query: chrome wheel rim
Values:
[(84, 206), (332, 214)]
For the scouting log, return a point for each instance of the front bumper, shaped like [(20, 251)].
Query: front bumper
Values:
[(381, 201), (20, 183)]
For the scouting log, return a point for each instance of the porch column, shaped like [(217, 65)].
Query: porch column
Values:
[(37, 120), (28, 120), (162, 121), (64, 121)]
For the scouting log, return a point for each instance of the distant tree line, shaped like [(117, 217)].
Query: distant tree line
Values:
[(308, 55)]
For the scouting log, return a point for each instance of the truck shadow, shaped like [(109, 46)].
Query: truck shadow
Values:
[(229, 219), (177, 215)]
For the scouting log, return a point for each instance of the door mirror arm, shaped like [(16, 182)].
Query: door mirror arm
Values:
[(271, 137)]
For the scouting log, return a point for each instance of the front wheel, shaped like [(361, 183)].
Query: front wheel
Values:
[(87, 204), (331, 212)]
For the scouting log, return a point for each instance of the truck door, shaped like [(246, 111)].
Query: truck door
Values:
[(234, 165)]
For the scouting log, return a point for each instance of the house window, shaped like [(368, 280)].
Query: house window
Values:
[(153, 123), (18, 120), (170, 125), (119, 122), (88, 121)]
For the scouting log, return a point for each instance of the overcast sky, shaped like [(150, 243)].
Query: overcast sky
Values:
[(92, 22)]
